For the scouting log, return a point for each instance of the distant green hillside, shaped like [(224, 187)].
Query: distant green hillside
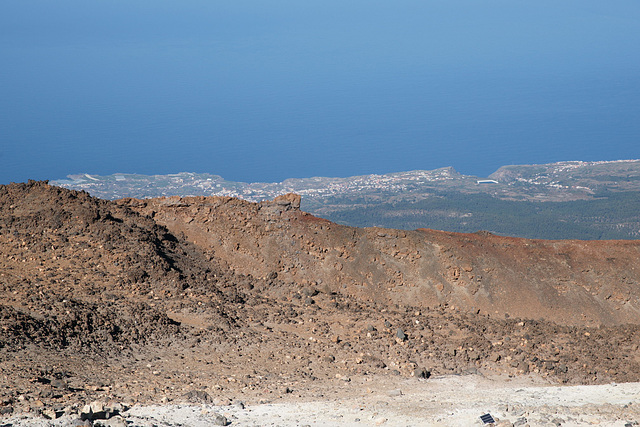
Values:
[(609, 216)]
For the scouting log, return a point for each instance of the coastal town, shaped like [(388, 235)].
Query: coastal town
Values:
[(198, 184), (562, 181)]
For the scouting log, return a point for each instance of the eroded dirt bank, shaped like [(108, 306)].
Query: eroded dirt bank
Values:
[(567, 282)]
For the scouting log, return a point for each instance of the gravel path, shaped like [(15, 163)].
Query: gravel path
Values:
[(440, 401)]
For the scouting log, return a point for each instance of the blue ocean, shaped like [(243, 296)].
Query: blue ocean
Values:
[(257, 90)]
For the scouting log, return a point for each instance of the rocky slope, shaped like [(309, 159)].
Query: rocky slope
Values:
[(567, 282), (219, 300)]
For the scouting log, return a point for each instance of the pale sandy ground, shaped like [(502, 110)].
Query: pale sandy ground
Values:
[(440, 401)]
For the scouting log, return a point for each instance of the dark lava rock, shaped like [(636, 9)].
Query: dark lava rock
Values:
[(198, 396), (421, 373)]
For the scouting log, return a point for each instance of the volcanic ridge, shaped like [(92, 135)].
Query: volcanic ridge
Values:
[(216, 299)]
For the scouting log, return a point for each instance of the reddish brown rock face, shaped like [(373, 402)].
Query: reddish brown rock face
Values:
[(569, 282)]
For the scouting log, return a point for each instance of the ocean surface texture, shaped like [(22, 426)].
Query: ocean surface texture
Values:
[(256, 90)]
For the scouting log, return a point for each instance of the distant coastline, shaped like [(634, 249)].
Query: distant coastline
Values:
[(586, 200)]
